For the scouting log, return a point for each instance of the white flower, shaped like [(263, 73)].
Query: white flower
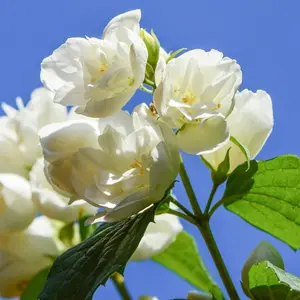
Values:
[(19, 141), (16, 207), (12, 159), (144, 297), (24, 254), (251, 122), (50, 203), (158, 236), (195, 95), (124, 165), (99, 75)]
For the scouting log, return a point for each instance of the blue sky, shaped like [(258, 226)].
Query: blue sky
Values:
[(263, 36)]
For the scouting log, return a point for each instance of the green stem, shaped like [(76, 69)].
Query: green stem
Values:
[(189, 189), (183, 208), (211, 197), (119, 283), (181, 215), (202, 223), (205, 230), (215, 207), (144, 89), (149, 82)]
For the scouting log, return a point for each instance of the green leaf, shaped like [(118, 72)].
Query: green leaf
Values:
[(268, 196), (264, 251), (86, 231), (66, 234), (77, 273), (267, 281), (182, 257), (35, 286)]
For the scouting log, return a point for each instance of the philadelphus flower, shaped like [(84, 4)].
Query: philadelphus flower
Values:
[(144, 297), (99, 75), (16, 208), (195, 95), (19, 141), (50, 203), (123, 164), (158, 236), (24, 254), (251, 123)]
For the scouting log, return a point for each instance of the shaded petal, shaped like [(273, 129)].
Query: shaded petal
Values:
[(204, 137), (120, 121), (64, 66), (105, 107), (60, 140), (128, 20), (16, 208), (158, 236), (251, 123)]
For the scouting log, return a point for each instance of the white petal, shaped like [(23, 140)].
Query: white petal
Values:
[(61, 140), (120, 121), (251, 123), (64, 66), (163, 171), (160, 71), (204, 137), (105, 107), (158, 236), (128, 20), (15, 273), (50, 203), (131, 205), (37, 241), (138, 60), (48, 112), (16, 208)]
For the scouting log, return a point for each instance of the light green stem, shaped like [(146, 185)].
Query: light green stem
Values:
[(119, 283), (182, 207), (205, 230), (181, 215), (211, 197), (202, 223), (189, 190)]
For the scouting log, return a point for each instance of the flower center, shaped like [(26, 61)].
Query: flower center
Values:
[(188, 97), (137, 164), (103, 68)]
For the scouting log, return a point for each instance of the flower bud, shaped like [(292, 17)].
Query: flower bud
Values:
[(195, 295), (264, 251), (153, 46), (144, 297)]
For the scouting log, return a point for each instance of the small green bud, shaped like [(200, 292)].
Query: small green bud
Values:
[(219, 176), (153, 46), (264, 251), (195, 295)]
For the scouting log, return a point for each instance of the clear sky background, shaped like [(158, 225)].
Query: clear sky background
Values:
[(263, 36)]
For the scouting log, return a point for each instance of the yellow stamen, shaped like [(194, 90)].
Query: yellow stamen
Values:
[(188, 97), (153, 109), (138, 165)]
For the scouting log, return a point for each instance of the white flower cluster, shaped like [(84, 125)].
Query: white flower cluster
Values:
[(124, 163), (100, 160), (25, 191)]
